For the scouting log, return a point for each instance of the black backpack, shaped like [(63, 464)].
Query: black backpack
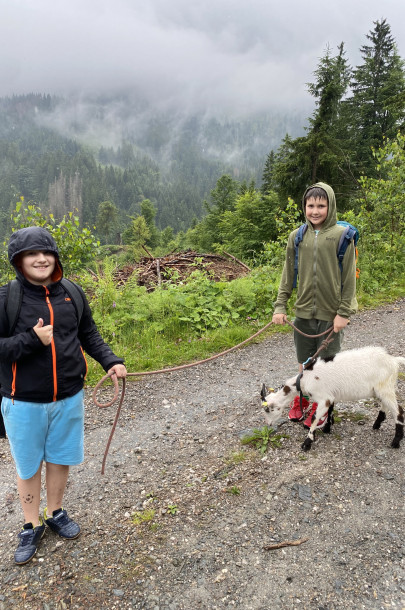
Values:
[(13, 306)]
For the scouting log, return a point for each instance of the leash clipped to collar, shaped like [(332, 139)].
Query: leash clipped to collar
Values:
[(298, 382)]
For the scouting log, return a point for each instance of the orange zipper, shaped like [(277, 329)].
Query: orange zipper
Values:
[(55, 379), (14, 369), (85, 362)]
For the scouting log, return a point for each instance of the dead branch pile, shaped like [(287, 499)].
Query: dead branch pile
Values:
[(176, 267)]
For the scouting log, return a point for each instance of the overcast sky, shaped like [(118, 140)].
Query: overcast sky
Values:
[(238, 55)]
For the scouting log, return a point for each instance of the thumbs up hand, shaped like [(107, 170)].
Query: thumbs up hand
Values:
[(44, 333)]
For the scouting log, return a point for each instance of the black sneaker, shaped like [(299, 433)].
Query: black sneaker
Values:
[(61, 524), (30, 538)]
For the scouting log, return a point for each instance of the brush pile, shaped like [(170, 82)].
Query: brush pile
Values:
[(176, 267)]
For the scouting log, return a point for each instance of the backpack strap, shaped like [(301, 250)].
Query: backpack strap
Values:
[(14, 300), (298, 239), (349, 233), (77, 298), (13, 304)]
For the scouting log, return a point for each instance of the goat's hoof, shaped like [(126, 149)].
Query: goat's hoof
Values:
[(376, 425), (395, 444), (306, 445)]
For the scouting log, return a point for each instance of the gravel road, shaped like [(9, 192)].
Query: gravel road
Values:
[(208, 507)]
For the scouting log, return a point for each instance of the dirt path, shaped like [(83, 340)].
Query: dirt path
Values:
[(217, 503)]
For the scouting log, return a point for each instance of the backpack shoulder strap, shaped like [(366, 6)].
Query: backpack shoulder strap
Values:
[(298, 239), (13, 304), (74, 292), (349, 233)]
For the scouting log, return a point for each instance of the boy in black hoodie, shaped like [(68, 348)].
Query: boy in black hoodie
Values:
[(42, 372)]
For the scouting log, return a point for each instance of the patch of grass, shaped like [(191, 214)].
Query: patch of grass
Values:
[(135, 568), (234, 490), (236, 457), (143, 516), (262, 438), (354, 417)]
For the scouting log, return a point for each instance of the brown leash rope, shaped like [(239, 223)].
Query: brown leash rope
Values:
[(323, 345), (177, 368)]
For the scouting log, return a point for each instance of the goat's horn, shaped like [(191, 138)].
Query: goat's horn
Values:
[(263, 392)]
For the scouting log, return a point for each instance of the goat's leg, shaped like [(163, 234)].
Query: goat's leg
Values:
[(389, 401), (380, 418), (399, 429), (321, 411), (328, 426)]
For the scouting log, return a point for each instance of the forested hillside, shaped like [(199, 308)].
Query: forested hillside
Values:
[(54, 152)]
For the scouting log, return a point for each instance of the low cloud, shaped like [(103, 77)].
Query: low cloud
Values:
[(219, 56)]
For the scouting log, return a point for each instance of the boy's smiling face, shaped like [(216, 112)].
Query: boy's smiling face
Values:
[(316, 210), (37, 266)]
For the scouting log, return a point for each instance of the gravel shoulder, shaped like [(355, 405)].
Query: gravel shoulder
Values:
[(211, 505)]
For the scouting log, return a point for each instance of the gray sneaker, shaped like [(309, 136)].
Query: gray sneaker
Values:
[(30, 537), (61, 524)]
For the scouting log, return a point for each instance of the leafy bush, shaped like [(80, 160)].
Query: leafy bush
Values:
[(77, 246), (381, 223)]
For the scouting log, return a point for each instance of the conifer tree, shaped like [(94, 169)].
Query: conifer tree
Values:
[(267, 177), (377, 106), (320, 155)]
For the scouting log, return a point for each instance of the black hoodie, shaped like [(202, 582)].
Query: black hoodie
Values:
[(29, 370)]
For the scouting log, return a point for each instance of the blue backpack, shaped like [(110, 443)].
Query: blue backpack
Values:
[(349, 233)]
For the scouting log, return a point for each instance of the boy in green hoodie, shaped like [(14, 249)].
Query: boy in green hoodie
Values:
[(326, 296)]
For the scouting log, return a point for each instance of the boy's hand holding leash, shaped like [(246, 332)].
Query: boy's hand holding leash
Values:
[(340, 323), (279, 318), (119, 370)]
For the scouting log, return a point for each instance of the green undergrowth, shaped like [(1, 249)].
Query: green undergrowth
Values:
[(186, 322), (178, 323)]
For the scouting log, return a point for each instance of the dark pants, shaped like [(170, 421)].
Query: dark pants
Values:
[(307, 347)]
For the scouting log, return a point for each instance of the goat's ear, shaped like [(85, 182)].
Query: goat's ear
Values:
[(263, 392)]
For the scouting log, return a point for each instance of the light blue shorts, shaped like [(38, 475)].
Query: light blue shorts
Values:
[(50, 432)]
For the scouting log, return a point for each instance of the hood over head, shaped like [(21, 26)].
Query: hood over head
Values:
[(33, 238), (332, 213)]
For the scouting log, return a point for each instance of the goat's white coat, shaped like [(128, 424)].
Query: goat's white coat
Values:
[(368, 372)]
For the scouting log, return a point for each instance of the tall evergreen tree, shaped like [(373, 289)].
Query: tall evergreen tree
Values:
[(148, 211), (377, 106), (320, 155), (267, 177)]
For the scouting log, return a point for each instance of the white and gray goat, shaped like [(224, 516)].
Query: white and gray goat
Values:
[(368, 372)]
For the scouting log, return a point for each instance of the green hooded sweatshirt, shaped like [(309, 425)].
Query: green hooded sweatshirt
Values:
[(323, 290)]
